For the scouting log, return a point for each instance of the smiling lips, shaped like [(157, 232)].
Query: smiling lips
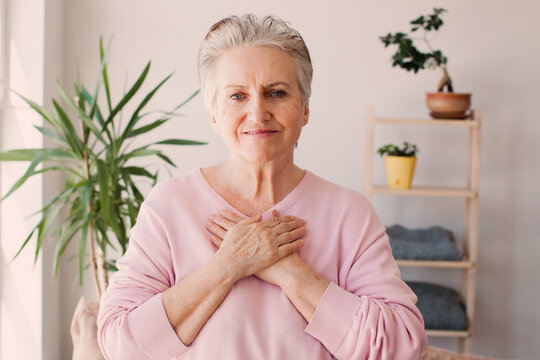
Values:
[(260, 132)]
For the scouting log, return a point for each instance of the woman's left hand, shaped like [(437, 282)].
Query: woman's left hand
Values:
[(302, 285), (275, 274)]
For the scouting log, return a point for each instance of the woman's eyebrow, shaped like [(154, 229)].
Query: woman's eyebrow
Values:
[(271, 85), (282, 83)]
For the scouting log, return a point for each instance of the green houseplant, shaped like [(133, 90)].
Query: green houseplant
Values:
[(399, 164), (94, 151), (409, 57)]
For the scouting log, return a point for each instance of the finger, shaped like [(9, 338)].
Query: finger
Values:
[(275, 221), (216, 240), (222, 221), (288, 226), (290, 248), (251, 220), (290, 236), (231, 216), (275, 213), (216, 229)]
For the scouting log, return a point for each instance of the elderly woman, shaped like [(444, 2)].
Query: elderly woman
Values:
[(256, 258)]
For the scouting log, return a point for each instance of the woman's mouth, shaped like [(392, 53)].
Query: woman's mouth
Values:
[(260, 132)]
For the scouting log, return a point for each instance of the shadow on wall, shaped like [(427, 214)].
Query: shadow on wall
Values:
[(18, 322)]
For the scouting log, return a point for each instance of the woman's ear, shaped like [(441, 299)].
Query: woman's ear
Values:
[(306, 114), (215, 126)]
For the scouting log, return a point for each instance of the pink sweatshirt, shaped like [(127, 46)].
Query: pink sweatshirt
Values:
[(367, 312)]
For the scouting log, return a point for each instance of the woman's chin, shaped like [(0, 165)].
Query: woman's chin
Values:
[(263, 157)]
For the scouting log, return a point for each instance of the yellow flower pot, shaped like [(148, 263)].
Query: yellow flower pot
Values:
[(399, 171)]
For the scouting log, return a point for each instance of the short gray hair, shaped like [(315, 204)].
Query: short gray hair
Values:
[(249, 30)]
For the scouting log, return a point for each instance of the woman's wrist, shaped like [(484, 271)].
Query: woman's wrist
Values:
[(305, 288), (225, 268), (297, 276)]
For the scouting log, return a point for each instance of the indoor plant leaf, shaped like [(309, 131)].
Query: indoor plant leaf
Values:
[(129, 94), (100, 196), (82, 116), (52, 134), (179, 142), (30, 171), (135, 117)]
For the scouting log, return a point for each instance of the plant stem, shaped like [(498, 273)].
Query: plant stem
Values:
[(91, 234), (427, 42), (101, 265), (93, 261), (445, 81), (100, 277)]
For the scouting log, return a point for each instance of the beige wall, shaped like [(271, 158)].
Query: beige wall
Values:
[(494, 53), (29, 297)]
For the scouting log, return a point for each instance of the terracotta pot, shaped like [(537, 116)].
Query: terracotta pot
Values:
[(399, 171), (448, 105)]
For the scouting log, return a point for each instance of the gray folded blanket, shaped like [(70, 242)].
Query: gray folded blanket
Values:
[(441, 307), (434, 243)]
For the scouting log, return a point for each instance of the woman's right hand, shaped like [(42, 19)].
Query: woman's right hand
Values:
[(252, 245)]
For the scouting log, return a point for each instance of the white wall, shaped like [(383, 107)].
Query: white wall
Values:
[(29, 297), (494, 53)]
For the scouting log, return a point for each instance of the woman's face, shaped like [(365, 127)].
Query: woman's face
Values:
[(258, 111)]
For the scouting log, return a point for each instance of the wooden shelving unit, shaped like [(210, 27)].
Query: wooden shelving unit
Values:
[(470, 194)]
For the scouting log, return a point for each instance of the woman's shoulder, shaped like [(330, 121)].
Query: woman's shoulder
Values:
[(336, 193), (345, 208), (170, 188), (347, 204)]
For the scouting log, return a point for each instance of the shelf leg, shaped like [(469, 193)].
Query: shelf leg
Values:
[(461, 345)]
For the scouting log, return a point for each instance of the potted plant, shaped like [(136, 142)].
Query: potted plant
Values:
[(100, 197), (399, 164), (442, 104)]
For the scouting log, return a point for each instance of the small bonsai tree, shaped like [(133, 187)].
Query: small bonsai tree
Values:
[(410, 58), (392, 150)]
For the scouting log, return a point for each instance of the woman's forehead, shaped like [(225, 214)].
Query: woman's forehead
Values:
[(264, 65)]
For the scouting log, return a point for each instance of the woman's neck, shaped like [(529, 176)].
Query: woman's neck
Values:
[(254, 188)]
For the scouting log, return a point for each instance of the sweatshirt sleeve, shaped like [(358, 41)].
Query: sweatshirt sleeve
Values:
[(371, 313), (132, 323)]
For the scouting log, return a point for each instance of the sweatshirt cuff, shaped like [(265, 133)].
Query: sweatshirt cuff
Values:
[(153, 332), (333, 317)]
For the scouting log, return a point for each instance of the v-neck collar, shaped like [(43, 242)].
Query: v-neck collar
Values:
[(221, 203)]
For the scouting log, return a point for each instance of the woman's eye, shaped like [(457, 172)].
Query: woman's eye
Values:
[(236, 96), (277, 93)]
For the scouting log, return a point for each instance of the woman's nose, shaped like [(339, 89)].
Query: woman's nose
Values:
[(258, 111)]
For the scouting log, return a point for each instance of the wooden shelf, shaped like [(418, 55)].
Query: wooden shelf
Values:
[(463, 264), (443, 122), (469, 193), (448, 333), (426, 191)]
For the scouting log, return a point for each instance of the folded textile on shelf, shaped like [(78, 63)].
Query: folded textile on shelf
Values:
[(434, 243), (441, 307)]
